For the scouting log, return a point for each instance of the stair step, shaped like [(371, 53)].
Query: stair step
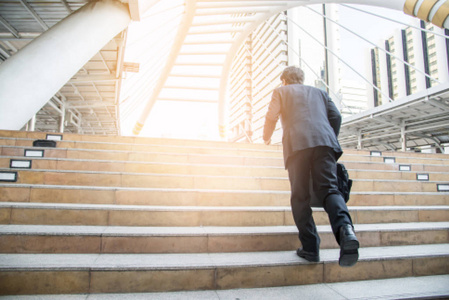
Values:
[(122, 179), (113, 239), (77, 140), (197, 197), (134, 156), (214, 156), (136, 215), (121, 142), (399, 157), (414, 167), (355, 171), (63, 164), (421, 287), (133, 273), (398, 198), (178, 149)]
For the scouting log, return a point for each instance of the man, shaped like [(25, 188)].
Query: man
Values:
[(311, 123)]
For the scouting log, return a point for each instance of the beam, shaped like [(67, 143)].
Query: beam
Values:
[(437, 141), (4, 52), (187, 100), (195, 75), (93, 78), (137, 8), (87, 104), (23, 36), (222, 21), (439, 104), (199, 88), (67, 6), (104, 62), (134, 10), (9, 27), (34, 14), (387, 121), (174, 52), (388, 146)]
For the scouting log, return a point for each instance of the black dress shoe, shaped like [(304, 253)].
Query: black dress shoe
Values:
[(349, 246), (309, 256)]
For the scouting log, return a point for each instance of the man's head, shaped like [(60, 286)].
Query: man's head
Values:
[(292, 75)]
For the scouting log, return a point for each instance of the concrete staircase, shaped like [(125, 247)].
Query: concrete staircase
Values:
[(99, 215)]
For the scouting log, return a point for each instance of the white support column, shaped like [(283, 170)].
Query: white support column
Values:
[(32, 123), (359, 140), (403, 137), (62, 119), (32, 76)]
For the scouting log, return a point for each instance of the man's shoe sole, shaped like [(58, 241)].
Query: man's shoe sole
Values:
[(349, 253)]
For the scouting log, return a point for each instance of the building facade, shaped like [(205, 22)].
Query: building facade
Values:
[(409, 61), (353, 98), (254, 75), (283, 40)]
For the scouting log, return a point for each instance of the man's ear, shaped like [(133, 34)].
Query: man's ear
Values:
[(284, 82)]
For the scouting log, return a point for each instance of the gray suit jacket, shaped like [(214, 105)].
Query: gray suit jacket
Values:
[(309, 119)]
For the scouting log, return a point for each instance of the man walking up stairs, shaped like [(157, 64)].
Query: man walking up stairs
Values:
[(310, 127), (97, 216)]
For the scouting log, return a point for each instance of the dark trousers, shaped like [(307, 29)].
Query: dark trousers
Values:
[(320, 164)]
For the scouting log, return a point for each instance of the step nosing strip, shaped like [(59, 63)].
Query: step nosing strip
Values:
[(205, 208), (129, 231), (207, 260), (213, 155), (148, 174), (45, 186), (148, 152), (442, 182), (49, 186), (150, 162), (226, 165), (194, 165), (71, 206)]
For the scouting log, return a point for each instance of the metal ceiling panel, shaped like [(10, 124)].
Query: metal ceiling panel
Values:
[(422, 117), (91, 96)]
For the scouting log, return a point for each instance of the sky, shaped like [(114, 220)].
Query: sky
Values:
[(191, 120)]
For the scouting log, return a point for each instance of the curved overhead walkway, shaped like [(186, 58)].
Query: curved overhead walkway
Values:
[(234, 20)]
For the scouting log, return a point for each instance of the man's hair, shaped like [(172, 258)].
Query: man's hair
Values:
[(293, 75)]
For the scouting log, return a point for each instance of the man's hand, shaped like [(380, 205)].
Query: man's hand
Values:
[(268, 142)]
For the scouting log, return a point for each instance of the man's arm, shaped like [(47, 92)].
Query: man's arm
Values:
[(334, 116), (274, 110)]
